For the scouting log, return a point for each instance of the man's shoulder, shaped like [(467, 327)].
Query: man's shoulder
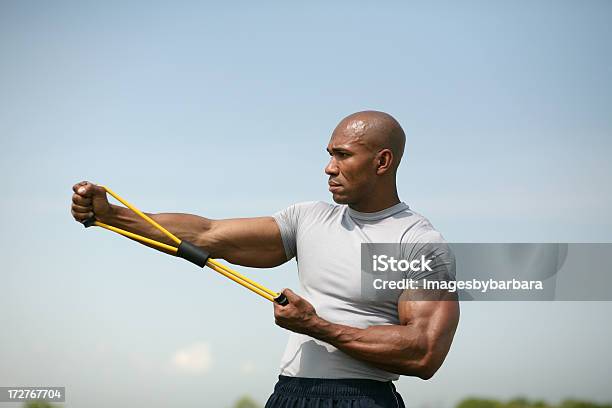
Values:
[(421, 229), (316, 209), (313, 205)]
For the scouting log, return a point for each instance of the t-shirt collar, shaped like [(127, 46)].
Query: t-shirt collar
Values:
[(378, 215)]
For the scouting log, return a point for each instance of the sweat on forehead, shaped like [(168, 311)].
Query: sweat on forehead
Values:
[(357, 127)]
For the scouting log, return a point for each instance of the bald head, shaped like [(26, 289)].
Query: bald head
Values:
[(365, 149), (374, 130)]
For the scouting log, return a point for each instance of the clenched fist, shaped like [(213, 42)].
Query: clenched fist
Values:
[(298, 316), (89, 200)]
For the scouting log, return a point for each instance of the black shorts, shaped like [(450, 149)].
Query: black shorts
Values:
[(297, 392)]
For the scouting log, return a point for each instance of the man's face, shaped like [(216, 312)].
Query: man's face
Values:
[(352, 166)]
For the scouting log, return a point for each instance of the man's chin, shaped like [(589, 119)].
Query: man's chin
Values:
[(340, 199)]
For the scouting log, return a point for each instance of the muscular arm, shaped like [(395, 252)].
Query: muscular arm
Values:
[(415, 347), (254, 242)]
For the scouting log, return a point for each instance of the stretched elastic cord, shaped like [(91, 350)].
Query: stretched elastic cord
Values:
[(137, 237), (143, 215), (187, 251)]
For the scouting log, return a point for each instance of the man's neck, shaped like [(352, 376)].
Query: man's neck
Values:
[(377, 203)]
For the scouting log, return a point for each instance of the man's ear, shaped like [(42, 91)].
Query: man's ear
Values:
[(384, 161)]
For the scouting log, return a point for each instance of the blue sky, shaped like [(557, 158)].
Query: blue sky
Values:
[(225, 111)]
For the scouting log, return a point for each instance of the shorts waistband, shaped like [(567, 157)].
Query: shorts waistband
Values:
[(329, 387)]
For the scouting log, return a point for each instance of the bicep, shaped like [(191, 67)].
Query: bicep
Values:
[(436, 318), (254, 242)]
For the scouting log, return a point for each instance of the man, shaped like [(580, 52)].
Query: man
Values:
[(344, 349)]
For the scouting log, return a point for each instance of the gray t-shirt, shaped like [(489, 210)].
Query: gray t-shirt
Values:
[(326, 241)]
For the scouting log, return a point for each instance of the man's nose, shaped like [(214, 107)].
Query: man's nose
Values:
[(331, 169)]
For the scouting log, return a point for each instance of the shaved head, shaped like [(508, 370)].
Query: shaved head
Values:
[(375, 130), (366, 149)]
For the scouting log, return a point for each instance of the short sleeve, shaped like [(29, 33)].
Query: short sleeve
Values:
[(433, 251), (288, 221)]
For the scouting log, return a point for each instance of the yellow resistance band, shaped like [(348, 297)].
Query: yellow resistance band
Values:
[(187, 251)]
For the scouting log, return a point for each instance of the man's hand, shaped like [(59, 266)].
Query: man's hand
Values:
[(89, 200), (298, 316)]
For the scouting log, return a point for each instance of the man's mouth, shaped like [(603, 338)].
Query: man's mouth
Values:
[(334, 186)]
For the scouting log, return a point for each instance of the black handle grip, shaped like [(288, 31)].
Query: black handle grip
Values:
[(281, 300), (192, 253), (89, 222)]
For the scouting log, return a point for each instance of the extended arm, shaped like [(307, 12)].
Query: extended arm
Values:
[(415, 347), (254, 242)]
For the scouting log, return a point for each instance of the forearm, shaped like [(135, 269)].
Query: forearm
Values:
[(416, 347), (395, 348), (188, 227)]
